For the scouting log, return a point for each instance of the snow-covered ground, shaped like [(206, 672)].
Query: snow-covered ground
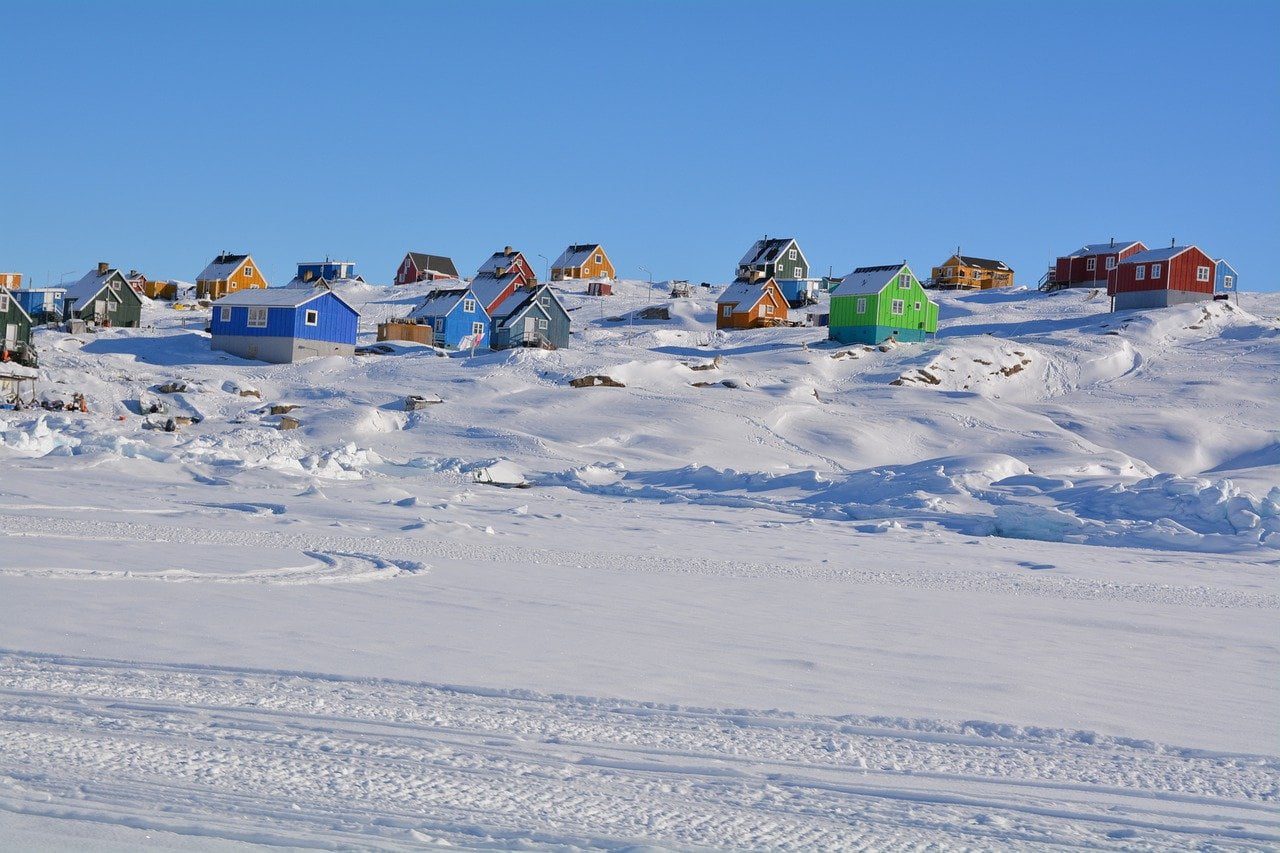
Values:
[(1012, 587)]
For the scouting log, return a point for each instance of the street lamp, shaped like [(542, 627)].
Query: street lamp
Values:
[(546, 267)]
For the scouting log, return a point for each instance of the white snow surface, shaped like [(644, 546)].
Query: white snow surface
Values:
[(1024, 598)]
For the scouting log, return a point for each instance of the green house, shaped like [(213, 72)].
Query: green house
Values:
[(873, 304), (15, 323), (103, 297)]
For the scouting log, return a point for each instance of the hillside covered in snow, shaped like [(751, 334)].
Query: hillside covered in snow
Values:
[(1014, 585)]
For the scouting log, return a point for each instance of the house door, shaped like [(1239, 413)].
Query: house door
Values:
[(100, 309), (530, 328), (10, 335)]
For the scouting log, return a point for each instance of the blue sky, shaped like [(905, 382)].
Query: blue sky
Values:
[(153, 135)]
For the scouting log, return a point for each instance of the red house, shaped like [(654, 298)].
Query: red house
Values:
[(1158, 278), (419, 266), (1093, 265), (501, 276)]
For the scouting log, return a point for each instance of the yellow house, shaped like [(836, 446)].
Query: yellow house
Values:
[(11, 280), (585, 260), (963, 271), (227, 274)]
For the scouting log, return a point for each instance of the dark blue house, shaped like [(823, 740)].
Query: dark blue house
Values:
[(1225, 279), (315, 273), (530, 317), (456, 316), (283, 324)]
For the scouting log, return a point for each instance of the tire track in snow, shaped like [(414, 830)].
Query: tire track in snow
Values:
[(305, 759)]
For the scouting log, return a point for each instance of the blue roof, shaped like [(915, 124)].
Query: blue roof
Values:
[(278, 297), (1102, 248), (1156, 254)]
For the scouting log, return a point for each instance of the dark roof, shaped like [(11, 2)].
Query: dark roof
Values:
[(765, 251), (880, 268), (435, 263), (984, 263)]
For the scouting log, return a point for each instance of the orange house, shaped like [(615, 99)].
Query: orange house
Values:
[(965, 272), (227, 274), (584, 260), (746, 304), (11, 280)]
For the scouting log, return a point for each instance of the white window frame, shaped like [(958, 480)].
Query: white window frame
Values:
[(791, 256), (114, 284), (897, 307), (1202, 274), (726, 311), (799, 272), (860, 307), (477, 328), (1091, 264), (599, 259), (248, 271), (1140, 274), (112, 306), (542, 323), (1111, 262), (224, 314), (768, 310), (918, 306), (545, 300), (4, 302), (1155, 270), (311, 317), (904, 281), (1227, 281), (257, 318), (469, 306)]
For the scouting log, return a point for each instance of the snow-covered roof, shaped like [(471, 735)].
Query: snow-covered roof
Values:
[(434, 263), (88, 286), (518, 300), (576, 255), (1102, 248), (1156, 255), (499, 260), (440, 302), (276, 297), (489, 287), (222, 267), (766, 250), (868, 280), (744, 293)]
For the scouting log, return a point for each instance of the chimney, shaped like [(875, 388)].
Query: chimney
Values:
[(1173, 241), (132, 273), (1113, 242), (102, 267), (508, 251)]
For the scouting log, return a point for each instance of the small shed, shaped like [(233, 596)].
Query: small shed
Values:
[(456, 315), (746, 304), (284, 324), (874, 304), (15, 322), (1225, 279), (104, 297), (531, 317)]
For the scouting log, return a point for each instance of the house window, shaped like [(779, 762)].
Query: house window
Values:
[(1140, 273), (224, 314), (1091, 264), (312, 317), (248, 271), (862, 305), (896, 307), (791, 256), (726, 311), (1155, 270), (115, 285), (1111, 262), (917, 306), (599, 259), (469, 306), (113, 306), (799, 272), (1202, 273), (1226, 282), (542, 324), (546, 301), (257, 318), (4, 302), (904, 281), (477, 328), (768, 310)]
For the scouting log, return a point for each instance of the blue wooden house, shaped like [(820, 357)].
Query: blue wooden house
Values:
[(1225, 279), (283, 324), (530, 317), (321, 273), (43, 304), (456, 315)]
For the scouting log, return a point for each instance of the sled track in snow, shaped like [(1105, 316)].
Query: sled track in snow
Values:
[(317, 761)]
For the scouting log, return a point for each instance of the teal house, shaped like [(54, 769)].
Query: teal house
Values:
[(874, 304)]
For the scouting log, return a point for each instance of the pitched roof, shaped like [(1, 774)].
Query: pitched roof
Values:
[(1156, 254), (1102, 248), (435, 263), (746, 294), (984, 263), (442, 301), (864, 281), (88, 286), (576, 255), (516, 302), (488, 287), (766, 251), (276, 297), (499, 260), (221, 267)]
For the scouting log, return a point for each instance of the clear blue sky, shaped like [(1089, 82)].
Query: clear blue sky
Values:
[(154, 134)]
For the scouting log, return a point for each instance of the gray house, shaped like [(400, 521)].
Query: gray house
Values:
[(530, 317)]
